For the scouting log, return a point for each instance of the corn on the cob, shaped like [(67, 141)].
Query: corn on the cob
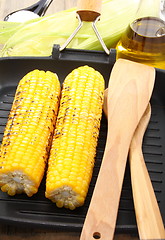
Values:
[(71, 161), (28, 132)]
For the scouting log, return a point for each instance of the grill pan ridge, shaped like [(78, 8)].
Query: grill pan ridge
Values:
[(40, 212)]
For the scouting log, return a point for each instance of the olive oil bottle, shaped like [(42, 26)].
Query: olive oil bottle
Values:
[(144, 39)]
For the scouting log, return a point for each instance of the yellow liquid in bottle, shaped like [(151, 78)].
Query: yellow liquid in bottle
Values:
[(144, 42)]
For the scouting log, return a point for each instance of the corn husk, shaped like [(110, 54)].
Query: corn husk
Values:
[(36, 37)]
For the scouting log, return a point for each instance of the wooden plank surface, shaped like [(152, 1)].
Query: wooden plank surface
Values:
[(15, 232)]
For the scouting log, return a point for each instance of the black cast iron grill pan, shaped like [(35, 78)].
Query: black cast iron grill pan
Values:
[(40, 212)]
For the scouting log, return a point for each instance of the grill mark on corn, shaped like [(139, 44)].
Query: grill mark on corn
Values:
[(34, 108), (73, 150)]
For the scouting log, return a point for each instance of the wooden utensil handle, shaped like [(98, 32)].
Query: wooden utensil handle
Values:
[(99, 222), (89, 10), (129, 91), (149, 220)]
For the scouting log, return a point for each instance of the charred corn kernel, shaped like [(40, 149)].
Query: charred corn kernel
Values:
[(28, 133), (72, 155)]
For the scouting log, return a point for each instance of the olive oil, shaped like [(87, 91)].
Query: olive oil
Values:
[(144, 42)]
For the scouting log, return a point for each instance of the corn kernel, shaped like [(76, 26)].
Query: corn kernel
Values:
[(74, 142), (24, 149)]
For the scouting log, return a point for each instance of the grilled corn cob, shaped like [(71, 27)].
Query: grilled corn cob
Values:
[(28, 133), (73, 150)]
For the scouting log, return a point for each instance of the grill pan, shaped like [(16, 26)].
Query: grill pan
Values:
[(40, 212)]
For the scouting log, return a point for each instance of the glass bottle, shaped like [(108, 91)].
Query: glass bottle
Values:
[(144, 39)]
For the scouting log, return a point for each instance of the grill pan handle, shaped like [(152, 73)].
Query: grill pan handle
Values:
[(89, 10)]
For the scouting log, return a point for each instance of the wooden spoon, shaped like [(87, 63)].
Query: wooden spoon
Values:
[(129, 91), (148, 216)]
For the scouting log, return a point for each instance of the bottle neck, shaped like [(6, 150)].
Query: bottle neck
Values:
[(149, 8)]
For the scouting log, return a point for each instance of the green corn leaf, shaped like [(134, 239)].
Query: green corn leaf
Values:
[(36, 37)]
